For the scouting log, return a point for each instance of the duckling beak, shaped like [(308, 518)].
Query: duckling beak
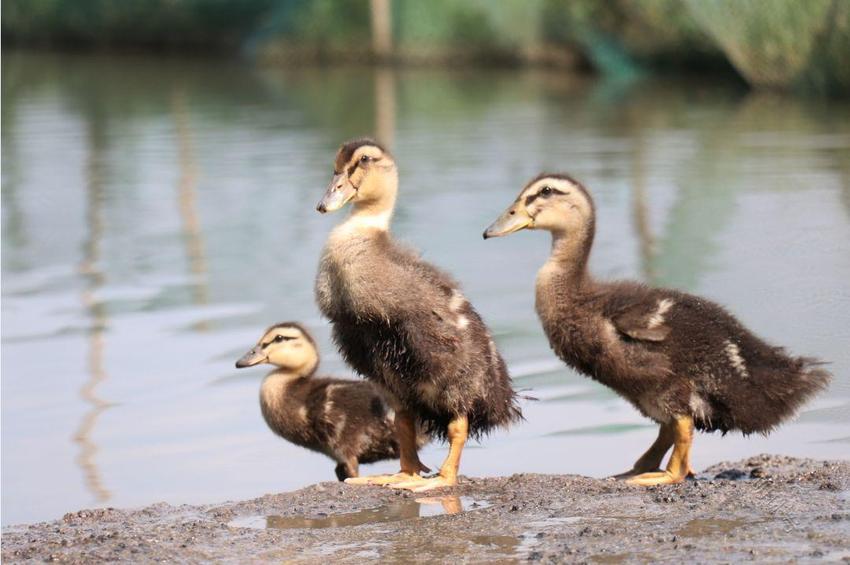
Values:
[(339, 192), (253, 357), (513, 219)]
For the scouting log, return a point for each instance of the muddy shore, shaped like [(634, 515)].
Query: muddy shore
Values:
[(764, 509)]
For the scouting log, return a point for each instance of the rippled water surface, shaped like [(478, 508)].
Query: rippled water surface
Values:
[(159, 214)]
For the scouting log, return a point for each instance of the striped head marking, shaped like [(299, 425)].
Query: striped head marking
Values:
[(552, 202), (286, 345), (364, 172)]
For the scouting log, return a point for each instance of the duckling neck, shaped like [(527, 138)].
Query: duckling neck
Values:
[(568, 260), (562, 277), (280, 402), (281, 378), (371, 215)]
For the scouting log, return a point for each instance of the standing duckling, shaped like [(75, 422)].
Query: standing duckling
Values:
[(349, 421), (401, 322), (681, 360)]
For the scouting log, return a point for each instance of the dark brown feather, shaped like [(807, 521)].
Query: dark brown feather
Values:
[(694, 359), (349, 421), (393, 322)]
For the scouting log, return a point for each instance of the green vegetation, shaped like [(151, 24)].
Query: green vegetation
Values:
[(779, 44), (782, 43), (220, 24)]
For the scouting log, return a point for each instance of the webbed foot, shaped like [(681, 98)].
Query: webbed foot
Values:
[(383, 480), (422, 484), (656, 478), (633, 473)]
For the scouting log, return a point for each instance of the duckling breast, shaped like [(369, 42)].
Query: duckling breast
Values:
[(284, 409)]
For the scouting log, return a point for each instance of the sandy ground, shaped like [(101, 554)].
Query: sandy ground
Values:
[(764, 509)]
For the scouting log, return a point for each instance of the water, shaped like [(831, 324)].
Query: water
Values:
[(404, 509), (159, 214)]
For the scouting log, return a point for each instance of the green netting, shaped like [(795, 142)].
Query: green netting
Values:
[(620, 35), (771, 42)]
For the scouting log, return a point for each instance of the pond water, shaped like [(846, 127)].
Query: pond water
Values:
[(158, 214)]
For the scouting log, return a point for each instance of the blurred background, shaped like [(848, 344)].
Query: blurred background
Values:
[(161, 160)]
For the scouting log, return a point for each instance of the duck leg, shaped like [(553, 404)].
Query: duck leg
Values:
[(679, 464), (347, 469), (405, 431), (458, 431), (651, 460)]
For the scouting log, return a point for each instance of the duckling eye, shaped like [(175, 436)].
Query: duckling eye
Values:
[(365, 159), (546, 191), (279, 338)]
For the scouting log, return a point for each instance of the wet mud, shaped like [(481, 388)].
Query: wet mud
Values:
[(763, 509)]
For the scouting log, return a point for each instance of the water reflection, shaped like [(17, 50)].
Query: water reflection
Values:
[(186, 191), (90, 270), (405, 509), (385, 95), (698, 185), (640, 211)]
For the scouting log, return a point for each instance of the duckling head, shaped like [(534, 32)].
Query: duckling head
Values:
[(286, 345), (553, 202), (364, 174)]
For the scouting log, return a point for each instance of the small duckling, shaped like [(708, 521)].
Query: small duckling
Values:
[(351, 422), (405, 324), (680, 359)]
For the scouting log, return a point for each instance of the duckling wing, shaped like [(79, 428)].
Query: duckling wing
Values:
[(644, 320)]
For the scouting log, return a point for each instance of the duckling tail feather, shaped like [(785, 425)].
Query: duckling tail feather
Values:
[(785, 392)]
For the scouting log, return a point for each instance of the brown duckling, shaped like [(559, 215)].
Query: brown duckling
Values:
[(351, 422), (403, 323), (681, 360)]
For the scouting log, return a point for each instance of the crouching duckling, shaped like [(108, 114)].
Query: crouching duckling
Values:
[(351, 422)]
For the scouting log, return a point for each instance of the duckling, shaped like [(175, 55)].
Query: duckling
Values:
[(680, 359), (405, 324), (351, 422)]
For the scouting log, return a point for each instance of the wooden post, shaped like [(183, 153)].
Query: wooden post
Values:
[(382, 32)]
